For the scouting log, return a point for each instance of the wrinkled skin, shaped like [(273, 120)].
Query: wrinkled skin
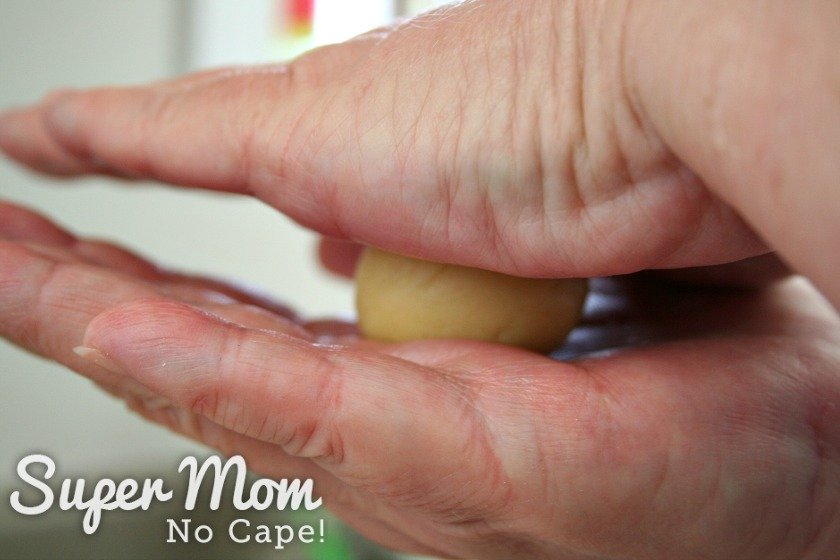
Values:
[(544, 139)]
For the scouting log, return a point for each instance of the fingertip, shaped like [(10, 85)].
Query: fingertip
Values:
[(339, 256), (26, 138), (169, 347), (21, 224), (61, 114)]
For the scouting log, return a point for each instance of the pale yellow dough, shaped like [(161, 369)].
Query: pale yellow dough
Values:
[(400, 299)]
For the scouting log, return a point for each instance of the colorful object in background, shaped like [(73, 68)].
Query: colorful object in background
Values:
[(300, 16), (294, 23), (336, 544)]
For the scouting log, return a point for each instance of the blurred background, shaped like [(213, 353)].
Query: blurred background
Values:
[(48, 44)]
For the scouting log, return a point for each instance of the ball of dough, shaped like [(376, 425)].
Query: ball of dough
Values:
[(401, 298)]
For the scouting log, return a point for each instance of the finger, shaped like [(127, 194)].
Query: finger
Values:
[(129, 390), (25, 138), (262, 457), (339, 256), (21, 224), (362, 416), (333, 331), (388, 152), (198, 130), (49, 319), (235, 304), (37, 318), (196, 291), (358, 510), (118, 258), (47, 298), (187, 287), (238, 292), (254, 317), (46, 303)]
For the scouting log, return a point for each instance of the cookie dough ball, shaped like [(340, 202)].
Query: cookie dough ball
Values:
[(401, 298)]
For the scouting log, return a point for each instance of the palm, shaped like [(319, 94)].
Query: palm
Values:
[(685, 434), (659, 434)]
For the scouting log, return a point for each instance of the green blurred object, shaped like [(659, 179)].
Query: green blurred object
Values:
[(336, 545)]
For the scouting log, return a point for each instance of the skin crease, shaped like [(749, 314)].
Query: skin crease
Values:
[(546, 139)]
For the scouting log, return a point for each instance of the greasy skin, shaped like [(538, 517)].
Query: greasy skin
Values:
[(400, 299)]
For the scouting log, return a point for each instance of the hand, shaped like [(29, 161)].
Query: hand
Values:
[(707, 430), (661, 437), (541, 139)]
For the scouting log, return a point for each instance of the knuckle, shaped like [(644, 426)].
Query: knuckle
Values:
[(317, 432), (25, 291), (205, 402)]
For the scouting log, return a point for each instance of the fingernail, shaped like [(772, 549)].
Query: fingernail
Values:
[(11, 128), (97, 357), (61, 112)]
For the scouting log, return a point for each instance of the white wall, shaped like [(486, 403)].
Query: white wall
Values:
[(46, 44)]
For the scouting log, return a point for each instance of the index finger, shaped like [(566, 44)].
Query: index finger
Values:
[(202, 130)]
